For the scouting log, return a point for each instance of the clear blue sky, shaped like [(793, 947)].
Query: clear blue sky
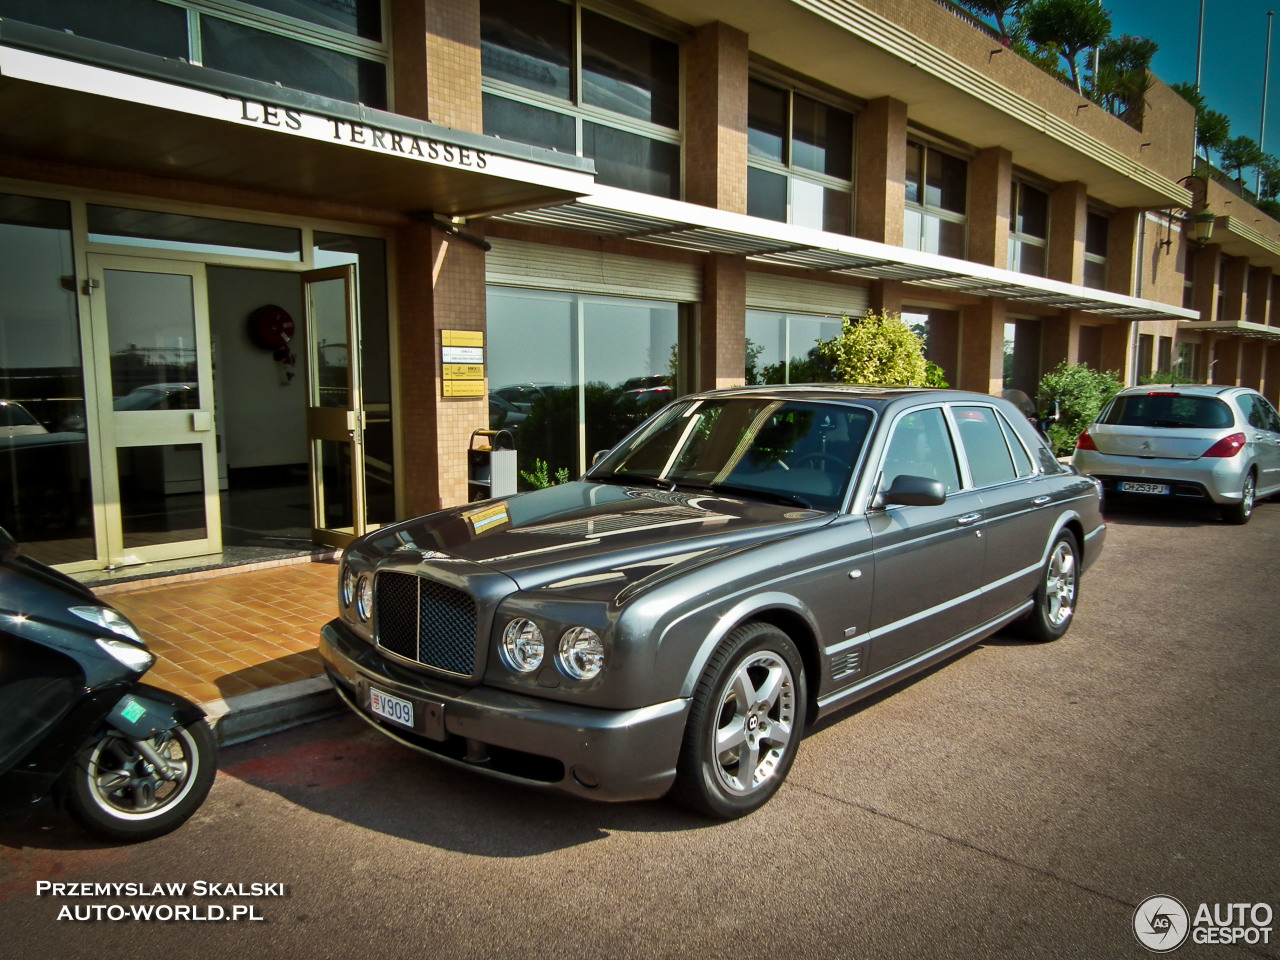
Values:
[(1235, 36)]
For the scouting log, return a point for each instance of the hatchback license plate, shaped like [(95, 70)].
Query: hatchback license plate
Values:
[(1144, 488), (392, 708)]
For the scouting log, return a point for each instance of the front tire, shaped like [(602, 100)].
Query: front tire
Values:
[(113, 791), (1239, 513), (745, 724), (1057, 593)]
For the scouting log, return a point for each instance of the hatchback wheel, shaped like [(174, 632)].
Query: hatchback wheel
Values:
[(1242, 511), (744, 725)]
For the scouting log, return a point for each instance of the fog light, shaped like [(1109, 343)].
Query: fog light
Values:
[(364, 597), (581, 653), (522, 646)]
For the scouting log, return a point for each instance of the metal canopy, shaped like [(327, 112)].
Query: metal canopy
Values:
[(1238, 328), (685, 226)]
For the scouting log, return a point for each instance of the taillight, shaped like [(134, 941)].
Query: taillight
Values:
[(1085, 442), (1227, 446)]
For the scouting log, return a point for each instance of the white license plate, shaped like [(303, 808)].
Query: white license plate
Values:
[(1144, 488), (392, 708)]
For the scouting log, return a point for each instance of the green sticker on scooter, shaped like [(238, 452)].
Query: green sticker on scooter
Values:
[(133, 712)]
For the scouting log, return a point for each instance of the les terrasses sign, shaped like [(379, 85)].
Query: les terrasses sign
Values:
[(360, 134)]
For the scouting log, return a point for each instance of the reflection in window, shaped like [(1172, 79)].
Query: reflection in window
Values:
[(1097, 226), (800, 159), (173, 231), (936, 201), (782, 347), (614, 98), (1028, 229), (332, 48), (151, 332), (369, 254), (921, 447), (985, 447), (570, 374), (46, 501), (162, 494)]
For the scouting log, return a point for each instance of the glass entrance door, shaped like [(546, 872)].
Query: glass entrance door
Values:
[(150, 327), (335, 407)]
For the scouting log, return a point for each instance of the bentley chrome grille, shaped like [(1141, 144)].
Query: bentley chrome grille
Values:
[(423, 620)]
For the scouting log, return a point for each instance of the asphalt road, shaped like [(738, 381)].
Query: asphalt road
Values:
[(1020, 801)]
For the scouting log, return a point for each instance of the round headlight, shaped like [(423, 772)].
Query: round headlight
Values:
[(581, 653), (364, 597), (522, 646), (347, 586)]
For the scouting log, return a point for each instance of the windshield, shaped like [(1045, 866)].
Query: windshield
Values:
[(1168, 410), (786, 451)]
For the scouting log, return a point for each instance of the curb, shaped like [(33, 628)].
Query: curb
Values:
[(248, 716)]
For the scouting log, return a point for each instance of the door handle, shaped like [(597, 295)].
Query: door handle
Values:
[(1041, 501), (968, 520)]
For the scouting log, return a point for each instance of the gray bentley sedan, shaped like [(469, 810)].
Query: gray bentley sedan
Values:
[(745, 562)]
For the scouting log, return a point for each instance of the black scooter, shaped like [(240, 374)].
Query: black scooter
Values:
[(129, 761)]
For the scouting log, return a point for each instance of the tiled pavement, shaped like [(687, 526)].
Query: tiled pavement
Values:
[(223, 636)]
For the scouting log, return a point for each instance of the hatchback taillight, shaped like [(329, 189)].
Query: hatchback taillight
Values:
[(1085, 442), (1227, 446)]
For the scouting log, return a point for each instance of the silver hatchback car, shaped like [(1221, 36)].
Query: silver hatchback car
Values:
[(1187, 442)]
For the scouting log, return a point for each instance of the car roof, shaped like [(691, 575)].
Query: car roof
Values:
[(1189, 389), (877, 396)]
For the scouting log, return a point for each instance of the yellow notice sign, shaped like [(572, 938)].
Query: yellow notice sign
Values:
[(464, 371), (482, 520), (461, 338), (463, 388)]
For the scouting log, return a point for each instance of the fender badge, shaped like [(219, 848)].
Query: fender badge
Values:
[(434, 555)]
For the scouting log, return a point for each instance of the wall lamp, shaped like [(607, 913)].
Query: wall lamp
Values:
[(1197, 228)]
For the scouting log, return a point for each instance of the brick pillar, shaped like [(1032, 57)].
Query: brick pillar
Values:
[(885, 296), (1235, 271), (1059, 340), (722, 322), (1259, 295), (1204, 291), (990, 192), (1252, 362), (1122, 250), (1273, 316), (716, 118), (882, 166), (440, 287), (982, 347), (435, 46), (1270, 387), (1117, 348), (1067, 220), (1225, 361)]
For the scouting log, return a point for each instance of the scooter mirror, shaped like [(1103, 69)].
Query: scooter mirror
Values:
[(8, 546)]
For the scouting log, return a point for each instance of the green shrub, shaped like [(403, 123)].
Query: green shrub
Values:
[(878, 349), (1080, 393)]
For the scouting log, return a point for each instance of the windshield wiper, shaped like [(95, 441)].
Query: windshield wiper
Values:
[(631, 480), (772, 495)]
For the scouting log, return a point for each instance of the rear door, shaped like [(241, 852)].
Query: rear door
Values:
[(1264, 437)]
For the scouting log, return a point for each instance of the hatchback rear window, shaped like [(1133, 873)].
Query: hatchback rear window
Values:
[(1168, 410)]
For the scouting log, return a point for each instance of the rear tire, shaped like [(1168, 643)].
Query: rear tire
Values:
[(745, 724), (1239, 513), (1057, 593), (114, 792)]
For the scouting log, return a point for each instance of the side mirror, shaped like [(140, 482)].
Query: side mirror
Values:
[(915, 492), (8, 546)]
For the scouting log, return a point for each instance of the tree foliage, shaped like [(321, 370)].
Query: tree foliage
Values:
[(1077, 393), (1003, 12), (1123, 76), (1241, 152), (1212, 128), (878, 349), (1072, 26)]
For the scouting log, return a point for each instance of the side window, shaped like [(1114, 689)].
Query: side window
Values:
[(1021, 459), (1272, 415), (1245, 402), (921, 447), (984, 446)]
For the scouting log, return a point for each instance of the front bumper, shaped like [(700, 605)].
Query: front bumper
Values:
[(1221, 481), (600, 754)]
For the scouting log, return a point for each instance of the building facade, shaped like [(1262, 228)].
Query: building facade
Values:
[(266, 265)]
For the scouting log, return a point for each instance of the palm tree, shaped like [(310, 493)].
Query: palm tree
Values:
[(1072, 26)]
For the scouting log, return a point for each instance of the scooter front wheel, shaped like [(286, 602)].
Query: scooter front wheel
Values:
[(115, 791)]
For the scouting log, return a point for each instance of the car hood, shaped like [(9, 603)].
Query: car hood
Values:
[(575, 530)]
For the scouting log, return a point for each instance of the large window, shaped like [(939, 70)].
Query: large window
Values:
[(45, 495), (1028, 229), (1095, 250), (566, 78), (782, 347), (937, 187), (334, 48), (800, 159), (571, 374)]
